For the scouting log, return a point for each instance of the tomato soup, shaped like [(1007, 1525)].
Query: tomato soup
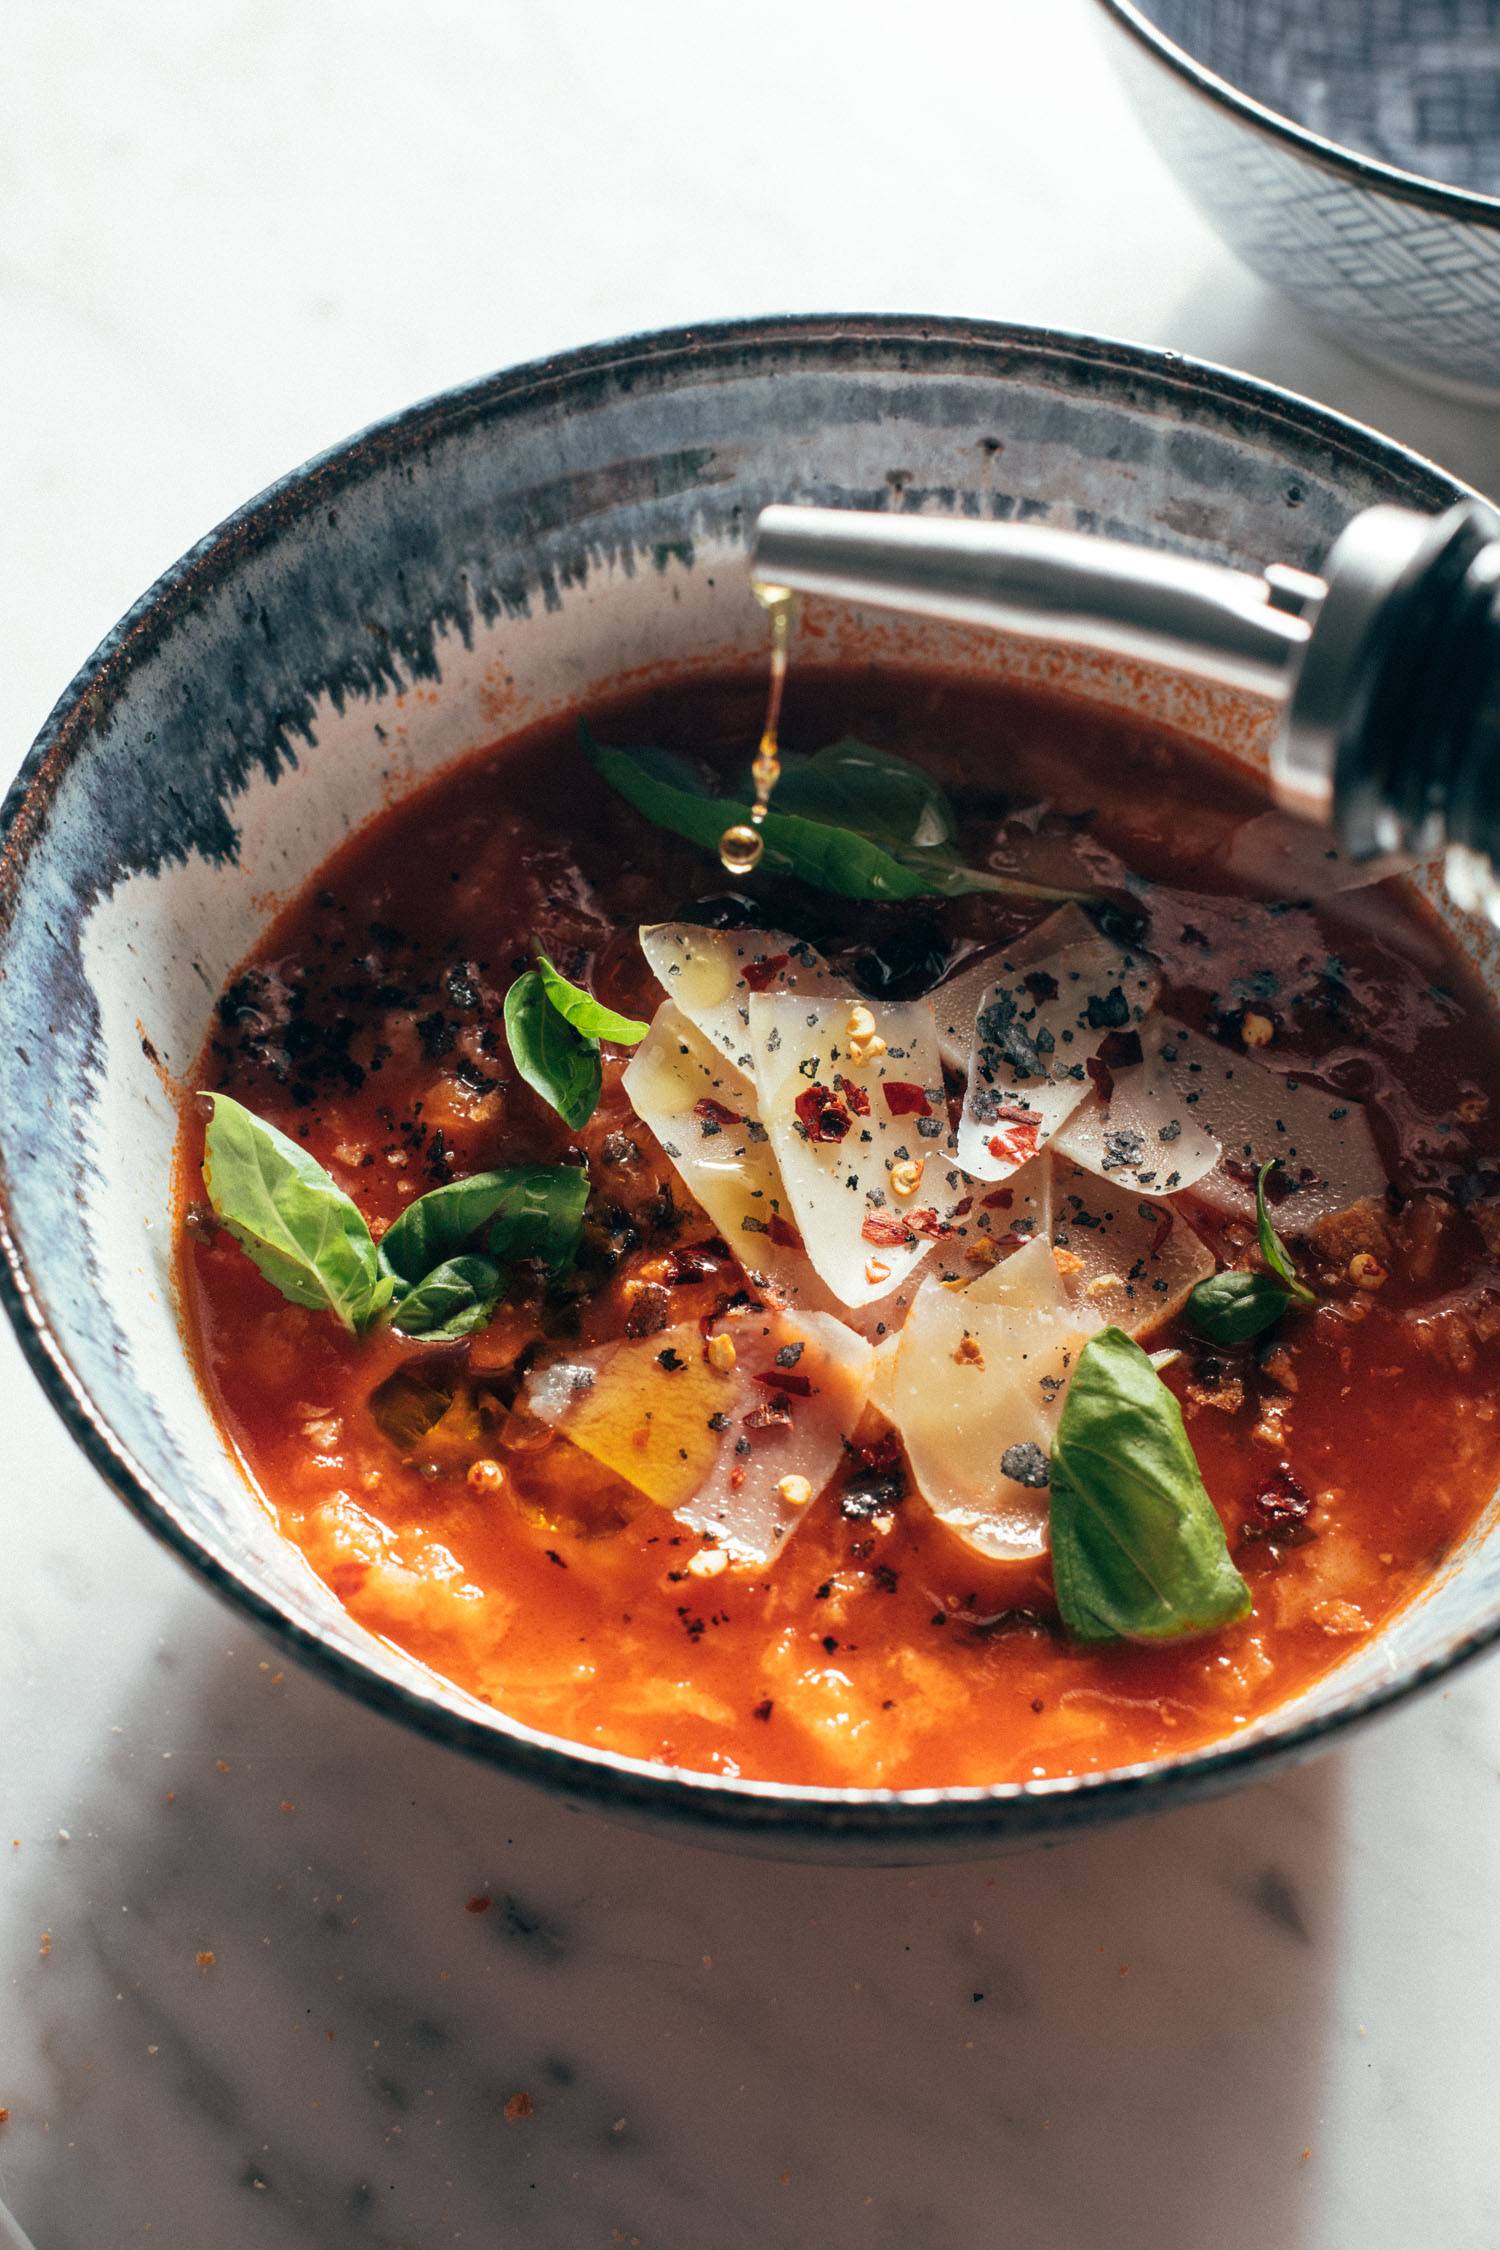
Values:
[(676, 1455)]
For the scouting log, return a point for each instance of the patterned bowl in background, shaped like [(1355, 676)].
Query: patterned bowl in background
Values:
[(1349, 150)]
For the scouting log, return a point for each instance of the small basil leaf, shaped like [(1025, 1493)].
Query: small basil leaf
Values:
[(880, 796), (453, 1300), (1138, 1551), (1229, 1308), (584, 1012), (830, 858), (442, 1223), (297, 1226), (540, 1214), (561, 1064), (1272, 1248)]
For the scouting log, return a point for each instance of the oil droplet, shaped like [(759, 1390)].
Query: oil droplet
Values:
[(740, 848)]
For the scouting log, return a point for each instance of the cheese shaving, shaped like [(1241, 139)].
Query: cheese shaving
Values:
[(1038, 1027), (711, 976), (729, 1452), (704, 1114), (838, 1125)]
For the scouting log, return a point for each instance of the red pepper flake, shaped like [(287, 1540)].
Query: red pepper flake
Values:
[(1001, 1200), (761, 973), (887, 1231), (855, 1096), (1281, 1509), (962, 1210), (781, 1379), (927, 1224), (346, 1579), (783, 1233), (694, 1263), (822, 1115), (478, 1904), (715, 1113), (880, 1455), (1164, 1226), (903, 1099), (1019, 1142), (776, 1414), (1120, 1050), (1101, 1077)]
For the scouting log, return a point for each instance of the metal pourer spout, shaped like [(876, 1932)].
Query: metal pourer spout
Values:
[(1386, 669)]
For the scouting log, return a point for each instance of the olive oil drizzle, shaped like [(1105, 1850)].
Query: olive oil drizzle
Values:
[(741, 846)]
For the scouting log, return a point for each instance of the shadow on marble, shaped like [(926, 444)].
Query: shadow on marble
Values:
[(1264, 334), (1120, 2041)]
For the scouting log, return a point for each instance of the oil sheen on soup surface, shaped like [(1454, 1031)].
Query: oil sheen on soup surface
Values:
[(991, 1294)]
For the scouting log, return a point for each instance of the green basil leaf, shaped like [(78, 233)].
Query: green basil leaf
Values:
[(667, 766), (584, 1012), (442, 1223), (540, 1214), (451, 1301), (1272, 1248), (880, 796), (1230, 1308), (561, 1064), (298, 1227), (830, 858), (1138, 1551)]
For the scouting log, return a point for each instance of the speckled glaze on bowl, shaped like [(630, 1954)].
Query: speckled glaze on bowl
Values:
[(1349, 150), (500, 552)]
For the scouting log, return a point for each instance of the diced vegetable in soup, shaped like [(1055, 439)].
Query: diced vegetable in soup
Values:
[(979, 1298)]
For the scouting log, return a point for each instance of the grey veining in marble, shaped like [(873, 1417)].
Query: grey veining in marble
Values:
[(234, 232)]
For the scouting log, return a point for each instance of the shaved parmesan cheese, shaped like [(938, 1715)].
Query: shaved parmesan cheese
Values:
[(710, 975), (958, 1001), (1030, 1282), (731, 1451), (883, 1376), (987, 1227), (746, 1503), (1127, 1260), (845, 1107), (1322, 1141), (993, 1224), (1039, 1024), (1138, 1128), (643, 1407), (704, 1114), (978, 1386)]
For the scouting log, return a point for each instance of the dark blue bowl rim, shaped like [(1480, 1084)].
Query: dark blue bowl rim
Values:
[(921, 1819), (1372, 172)]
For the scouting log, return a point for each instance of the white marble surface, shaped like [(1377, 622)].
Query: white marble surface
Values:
[(232, 231)]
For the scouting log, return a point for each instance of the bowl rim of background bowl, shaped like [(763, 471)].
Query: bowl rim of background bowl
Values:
[(1468, 204), (736, 1809)]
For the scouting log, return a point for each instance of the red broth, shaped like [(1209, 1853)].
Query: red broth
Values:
[(1346, 1457)]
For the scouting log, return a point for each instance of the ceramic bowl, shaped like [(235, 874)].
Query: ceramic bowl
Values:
[(1349, 150), (496, 554)]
